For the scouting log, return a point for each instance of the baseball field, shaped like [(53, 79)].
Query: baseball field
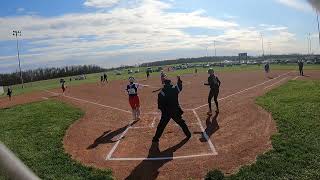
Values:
[(267, 128)]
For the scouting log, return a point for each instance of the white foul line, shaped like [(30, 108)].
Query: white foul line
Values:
[(275, 83), (92, 102), (161, 158), (205, 135), (244, 90), (296, 78), (116, 145), (45, 98)]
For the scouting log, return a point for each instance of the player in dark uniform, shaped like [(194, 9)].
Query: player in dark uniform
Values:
[(148, 74), (63, 86), (101, 79), (132, 89), (168, 103), (300, 64), (214, 83), (267, 68), (9, 93), (105, 78)]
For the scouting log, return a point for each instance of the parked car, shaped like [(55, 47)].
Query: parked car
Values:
[(149, 69), (81, 77), (159, 69)]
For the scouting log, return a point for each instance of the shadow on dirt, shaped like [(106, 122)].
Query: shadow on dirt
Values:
[(108, 137), (149, 169), (212, 127)]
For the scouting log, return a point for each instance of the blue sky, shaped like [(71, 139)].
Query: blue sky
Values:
[(116, 32)]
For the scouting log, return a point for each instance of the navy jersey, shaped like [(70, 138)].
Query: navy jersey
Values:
[(132, 89)]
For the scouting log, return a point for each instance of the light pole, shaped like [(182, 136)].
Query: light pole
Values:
[(262, 45), (16, 34), (269, 44), (309, 44), (215, 50), (207, 51), (317, 12)]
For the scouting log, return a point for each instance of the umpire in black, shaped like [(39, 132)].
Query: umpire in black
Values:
[(168, 103)]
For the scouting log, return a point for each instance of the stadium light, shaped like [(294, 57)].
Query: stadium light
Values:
[(16, 34)]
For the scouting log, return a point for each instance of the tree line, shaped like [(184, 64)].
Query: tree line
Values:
[(47, 73)]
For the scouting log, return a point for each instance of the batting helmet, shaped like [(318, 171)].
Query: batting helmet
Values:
[(131, 79), (210, 71)]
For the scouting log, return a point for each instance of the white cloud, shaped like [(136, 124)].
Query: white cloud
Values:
[(101, 3), (300, 5), (20, 10)]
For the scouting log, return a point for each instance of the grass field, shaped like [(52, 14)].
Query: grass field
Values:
[(296, 148), (34, 132), (95, 78)]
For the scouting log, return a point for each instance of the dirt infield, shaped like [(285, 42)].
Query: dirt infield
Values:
[(106, 137)]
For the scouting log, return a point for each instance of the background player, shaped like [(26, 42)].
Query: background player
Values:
[(9, 92), (300, 64), (105, 77), (63, 86), (148, 73), (214, 83), (132, 90), (267, 68)]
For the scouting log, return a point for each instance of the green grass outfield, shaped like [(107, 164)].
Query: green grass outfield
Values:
[(34, 132), (95, 78), (296, 148)]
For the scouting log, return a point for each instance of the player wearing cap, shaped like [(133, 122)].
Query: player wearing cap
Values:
[(132, 90), (214, 83)]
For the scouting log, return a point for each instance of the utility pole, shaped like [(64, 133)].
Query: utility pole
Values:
[(317, 12), (269, 44), (207, 51), (16, 34), (262, 45), (309, 42), (215, 49)]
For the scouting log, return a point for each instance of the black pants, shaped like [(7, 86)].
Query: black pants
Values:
[(165, 118), (213, 94), (301, 71)]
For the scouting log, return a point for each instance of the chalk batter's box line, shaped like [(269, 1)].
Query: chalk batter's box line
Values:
[(161, 158), (214, 152)]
